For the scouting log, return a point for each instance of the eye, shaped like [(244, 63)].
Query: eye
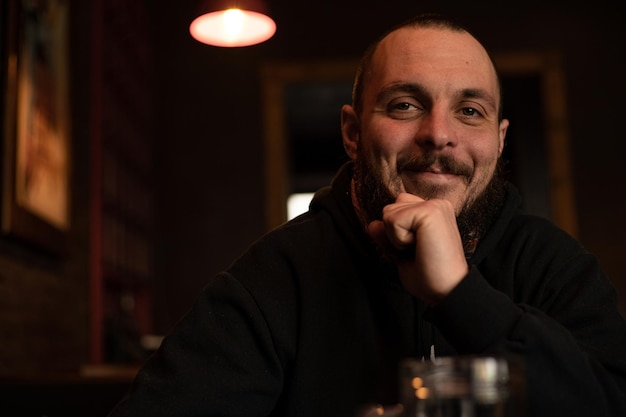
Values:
[(403, 108), (470, 112)]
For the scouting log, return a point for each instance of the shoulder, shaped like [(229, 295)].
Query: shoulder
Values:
[(539, 230), (295, 244)]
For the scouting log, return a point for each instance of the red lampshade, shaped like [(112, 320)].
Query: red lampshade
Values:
[(231, 23)]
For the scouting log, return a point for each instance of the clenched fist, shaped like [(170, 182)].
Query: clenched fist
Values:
[(422, 238)]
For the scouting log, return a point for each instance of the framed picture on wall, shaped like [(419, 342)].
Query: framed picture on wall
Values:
[(36, 122)]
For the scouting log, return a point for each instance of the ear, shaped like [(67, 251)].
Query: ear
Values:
[(504, 125), (350, 130)]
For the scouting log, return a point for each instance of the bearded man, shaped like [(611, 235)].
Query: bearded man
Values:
[(416, 250)]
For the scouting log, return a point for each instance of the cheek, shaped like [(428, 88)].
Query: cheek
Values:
[(486, 156), (376, 147), (384, 142)]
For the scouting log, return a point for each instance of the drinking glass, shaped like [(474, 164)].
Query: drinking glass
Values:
[(461, 386)]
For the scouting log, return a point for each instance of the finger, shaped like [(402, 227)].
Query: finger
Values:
[(378, 234), (401, 221)]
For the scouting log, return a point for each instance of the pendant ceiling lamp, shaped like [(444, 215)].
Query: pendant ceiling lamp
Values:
[(232, 23)]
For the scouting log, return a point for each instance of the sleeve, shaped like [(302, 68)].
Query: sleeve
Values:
[(571, 338), (219, 360)]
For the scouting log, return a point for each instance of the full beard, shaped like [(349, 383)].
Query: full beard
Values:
[(473, 219)]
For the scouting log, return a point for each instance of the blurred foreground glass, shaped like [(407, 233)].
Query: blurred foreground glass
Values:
[(462, 386)]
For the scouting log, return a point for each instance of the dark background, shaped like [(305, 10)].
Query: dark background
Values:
[(205, 127)]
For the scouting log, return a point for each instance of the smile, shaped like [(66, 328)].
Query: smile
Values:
[(431, 175)]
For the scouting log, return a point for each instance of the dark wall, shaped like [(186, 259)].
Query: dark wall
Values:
[(211, 133), (209, 138)]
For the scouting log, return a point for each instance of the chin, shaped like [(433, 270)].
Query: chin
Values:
[(432, 191)]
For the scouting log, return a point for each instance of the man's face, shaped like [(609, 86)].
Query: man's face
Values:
[(429, 124)]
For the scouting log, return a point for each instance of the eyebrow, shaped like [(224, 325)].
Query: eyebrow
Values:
[(402, 87), (479, 94)]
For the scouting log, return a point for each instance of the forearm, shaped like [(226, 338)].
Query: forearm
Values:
[(561, 377)]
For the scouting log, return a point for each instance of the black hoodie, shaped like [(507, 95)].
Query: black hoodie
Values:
[(310, 322)]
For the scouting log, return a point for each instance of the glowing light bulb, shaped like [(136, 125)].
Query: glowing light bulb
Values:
[(233, 19), (232, 28)]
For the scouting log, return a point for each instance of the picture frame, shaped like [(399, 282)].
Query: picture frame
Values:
[(36, 123)]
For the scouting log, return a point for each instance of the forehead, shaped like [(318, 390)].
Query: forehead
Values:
[(432, 56)]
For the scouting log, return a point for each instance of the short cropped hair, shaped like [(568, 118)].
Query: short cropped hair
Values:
[(425, 20)]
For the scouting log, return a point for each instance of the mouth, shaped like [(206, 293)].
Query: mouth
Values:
[(430, 175), (448, 169), (433, 170), (436, 171)]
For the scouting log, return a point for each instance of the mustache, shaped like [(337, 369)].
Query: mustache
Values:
[(444, 163)]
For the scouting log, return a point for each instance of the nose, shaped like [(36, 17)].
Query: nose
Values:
[(435, 130)]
